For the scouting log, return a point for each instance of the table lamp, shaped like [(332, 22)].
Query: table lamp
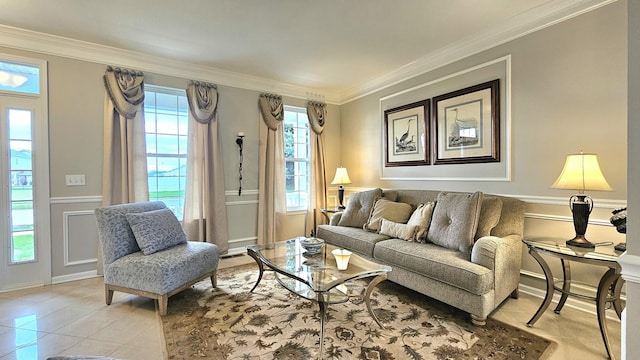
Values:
[(342, 177), (581, 172)]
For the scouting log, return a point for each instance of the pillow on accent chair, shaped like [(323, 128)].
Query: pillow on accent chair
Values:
[(359, 207), (421, 217), (400, 231), (490, 213), (390, 210), (455, 220), (156, 230)]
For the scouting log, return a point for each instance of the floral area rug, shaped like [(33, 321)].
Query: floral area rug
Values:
[(272, 323)]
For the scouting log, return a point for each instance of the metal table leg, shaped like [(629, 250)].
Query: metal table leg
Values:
[(323, 320), (367, 300), (260, 267), (608, 279), (550, 289), (566, 285)]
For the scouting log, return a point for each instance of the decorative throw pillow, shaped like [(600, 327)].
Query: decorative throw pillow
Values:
[(421, 217), (455, 220), (490, 213), (359, 207), (156, 230), (396, 230), (385, 209)]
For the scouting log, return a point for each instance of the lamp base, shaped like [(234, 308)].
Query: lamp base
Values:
[(580, 241)]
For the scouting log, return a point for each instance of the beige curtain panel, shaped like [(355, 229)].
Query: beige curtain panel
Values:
[(316, 112), (124, 165), (205, 211), (271, 176)]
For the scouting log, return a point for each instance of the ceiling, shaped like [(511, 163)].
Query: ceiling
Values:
[(341, 47)]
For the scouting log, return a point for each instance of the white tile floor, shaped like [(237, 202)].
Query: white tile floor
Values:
[(72, 318)]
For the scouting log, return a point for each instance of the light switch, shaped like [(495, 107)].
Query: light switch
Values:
[(75, 180)]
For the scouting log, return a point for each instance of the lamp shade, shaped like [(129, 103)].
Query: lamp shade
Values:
[(581, 172), (342, 177)]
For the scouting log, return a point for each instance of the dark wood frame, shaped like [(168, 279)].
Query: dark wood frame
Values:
[(494, 146), (388, 117)]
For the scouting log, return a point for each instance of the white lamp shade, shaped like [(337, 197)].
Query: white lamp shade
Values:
[(342, 177), (581, 172)]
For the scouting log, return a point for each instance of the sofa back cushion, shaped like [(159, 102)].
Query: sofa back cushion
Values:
[(390, 210), (156, 230), (115, 234), (359, 207), (455, 220)]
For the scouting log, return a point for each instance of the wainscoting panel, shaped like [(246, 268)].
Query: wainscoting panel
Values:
[(78, 226)]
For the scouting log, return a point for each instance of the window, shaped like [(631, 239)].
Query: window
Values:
[(20, 78), (296, 154), (166, 116)]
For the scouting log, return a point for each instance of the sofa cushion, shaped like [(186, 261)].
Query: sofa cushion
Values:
[(356, 240), (359, 207), (397, 230), (455, 220), (156, 230), (421, 217), (490, 213), (390, 210), (435, 262)]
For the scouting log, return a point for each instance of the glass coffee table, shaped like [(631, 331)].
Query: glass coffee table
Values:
[(316, 277)]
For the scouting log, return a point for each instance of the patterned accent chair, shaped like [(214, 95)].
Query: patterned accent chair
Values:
[(160, 274)]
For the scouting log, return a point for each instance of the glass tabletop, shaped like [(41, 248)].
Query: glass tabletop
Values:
[(559, 246), (320, 271)]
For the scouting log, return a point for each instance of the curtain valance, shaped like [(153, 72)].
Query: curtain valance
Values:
[(316, 112), (203, 100), (272, 110), (126, 90)]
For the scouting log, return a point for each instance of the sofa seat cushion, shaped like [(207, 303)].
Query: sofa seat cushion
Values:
[(433, 261), (353, 239), (165, 270)]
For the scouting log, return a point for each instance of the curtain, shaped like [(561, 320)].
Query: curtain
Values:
[(316, 113), (271, 174), (124, 165), (205, 211)]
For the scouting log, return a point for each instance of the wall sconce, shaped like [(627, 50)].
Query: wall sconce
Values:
[(240, 142), (581, 172)]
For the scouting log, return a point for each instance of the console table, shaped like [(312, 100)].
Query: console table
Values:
[(608, 290)]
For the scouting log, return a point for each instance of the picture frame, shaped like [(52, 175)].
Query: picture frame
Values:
[(467, 125), (407, 137)]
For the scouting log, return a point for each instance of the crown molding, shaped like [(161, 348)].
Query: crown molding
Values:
[(523, 24), (81, 50)]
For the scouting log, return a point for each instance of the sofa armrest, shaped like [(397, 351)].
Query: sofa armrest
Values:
[(504, 256), (335, 218)]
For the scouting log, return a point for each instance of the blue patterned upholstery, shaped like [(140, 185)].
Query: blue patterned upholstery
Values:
[(157, 275)]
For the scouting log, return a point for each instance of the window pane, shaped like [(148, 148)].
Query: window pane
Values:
[(167, 144), (23, 248), (22, 78)]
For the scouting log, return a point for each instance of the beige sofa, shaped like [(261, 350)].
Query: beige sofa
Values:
[(475, 277)]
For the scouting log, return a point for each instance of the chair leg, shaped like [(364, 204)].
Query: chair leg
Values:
[(162, 304), (515, 294), (108, 294), (214, 279), (478, 321)]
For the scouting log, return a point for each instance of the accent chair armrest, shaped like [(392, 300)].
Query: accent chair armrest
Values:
[(504, 256)]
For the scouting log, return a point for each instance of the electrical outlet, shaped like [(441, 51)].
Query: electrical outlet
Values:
[(75, 180)]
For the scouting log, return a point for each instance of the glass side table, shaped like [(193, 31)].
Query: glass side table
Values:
[(608, 290)]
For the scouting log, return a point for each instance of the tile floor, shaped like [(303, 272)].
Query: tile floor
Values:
[(72, 318)]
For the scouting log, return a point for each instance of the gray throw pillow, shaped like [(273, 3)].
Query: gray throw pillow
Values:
[(455, 220), (156, 230), (390, 210), (359, 207), (490, 213)]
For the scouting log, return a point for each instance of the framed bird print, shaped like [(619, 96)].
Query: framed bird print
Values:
[(467, 125), (407, 135)]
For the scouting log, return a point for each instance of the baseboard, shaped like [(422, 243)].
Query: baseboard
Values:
[(234, 252), (73, 277)]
